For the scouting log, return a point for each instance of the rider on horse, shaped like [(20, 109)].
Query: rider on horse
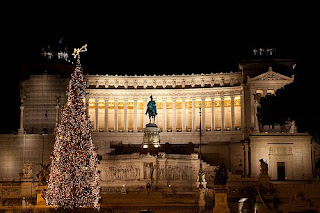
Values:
[(152, 109)]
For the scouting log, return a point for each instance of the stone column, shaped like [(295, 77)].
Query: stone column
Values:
[(135, 114), (212, 114), (106, 129), (243, 125), (232, 112), (116, 115), (183, 114), (256, 122), (252, 107), (193, 114), (144, 111), (164, 106), (21, 129), (223, 126), (174, 117), (203, 114), (125, 115), (97, 114)]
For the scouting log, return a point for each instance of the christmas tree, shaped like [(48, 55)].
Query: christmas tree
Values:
[(73, 180)]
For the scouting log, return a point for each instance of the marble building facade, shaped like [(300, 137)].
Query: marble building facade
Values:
[(117, 106)]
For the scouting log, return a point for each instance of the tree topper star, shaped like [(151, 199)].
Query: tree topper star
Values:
[(77, 51)]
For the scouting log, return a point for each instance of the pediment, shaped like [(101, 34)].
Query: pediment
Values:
[(271, 76)]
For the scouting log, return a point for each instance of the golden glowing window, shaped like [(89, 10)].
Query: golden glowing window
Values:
[(101, 104), (237, 101), (91, 104), (159, 105), (208, 104), (227, 103), (140, 105), (259, 91), (270, 91), (130, 105), (179, 105), (169, 105), (217, 103), (111, 105), (189, 104), (198, 104), (121, 105)]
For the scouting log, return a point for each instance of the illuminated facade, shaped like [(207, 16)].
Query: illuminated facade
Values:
[(230, 130), (117, 106)]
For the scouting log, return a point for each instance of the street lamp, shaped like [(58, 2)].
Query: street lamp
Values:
[(200, 138)]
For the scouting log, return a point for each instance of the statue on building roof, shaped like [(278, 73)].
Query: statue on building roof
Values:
[(152, 109)]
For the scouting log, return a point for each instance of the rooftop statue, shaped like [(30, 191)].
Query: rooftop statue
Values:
[(152, 109)]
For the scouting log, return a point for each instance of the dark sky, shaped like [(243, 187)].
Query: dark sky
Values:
[(143, 46)]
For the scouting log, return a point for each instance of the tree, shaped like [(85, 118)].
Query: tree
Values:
[(295, 101), (73, 180)]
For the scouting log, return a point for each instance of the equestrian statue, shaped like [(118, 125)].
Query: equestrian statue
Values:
[(152, 110)]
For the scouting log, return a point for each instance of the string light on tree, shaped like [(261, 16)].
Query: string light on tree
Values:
[(73, 180)]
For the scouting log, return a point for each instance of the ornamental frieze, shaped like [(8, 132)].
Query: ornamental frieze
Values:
[(164, 81)]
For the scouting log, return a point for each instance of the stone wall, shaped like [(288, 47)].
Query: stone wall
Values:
[(292, 150), (136, 170), (18, 149)]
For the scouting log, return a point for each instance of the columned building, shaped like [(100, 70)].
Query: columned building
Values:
[(228, 102)]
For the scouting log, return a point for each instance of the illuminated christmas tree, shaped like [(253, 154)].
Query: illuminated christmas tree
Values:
[(73, 180)]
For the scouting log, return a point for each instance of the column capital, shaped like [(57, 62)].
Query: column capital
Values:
[(184, 99), (96, 100), (203, 98), (222, 97), (164, 99)]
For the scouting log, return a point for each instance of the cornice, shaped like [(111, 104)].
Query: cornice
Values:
[(164, 81)]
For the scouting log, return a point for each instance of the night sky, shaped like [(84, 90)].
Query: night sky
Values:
[(145, 46)]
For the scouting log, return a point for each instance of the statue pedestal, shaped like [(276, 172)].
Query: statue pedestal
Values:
[(202, 197), (221, 199), (151, 139), (40, 198)]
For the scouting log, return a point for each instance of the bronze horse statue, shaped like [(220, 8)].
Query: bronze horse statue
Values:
[(152, 109)]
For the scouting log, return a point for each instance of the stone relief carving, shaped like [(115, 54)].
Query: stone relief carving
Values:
[(121, 173), (27, 170), (148, 170)]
